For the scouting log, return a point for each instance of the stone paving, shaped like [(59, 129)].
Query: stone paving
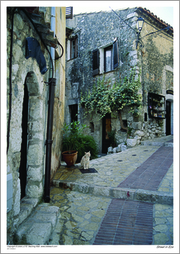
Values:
[(82, 212)]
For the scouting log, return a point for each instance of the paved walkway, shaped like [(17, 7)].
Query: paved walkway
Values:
[(116, 206)]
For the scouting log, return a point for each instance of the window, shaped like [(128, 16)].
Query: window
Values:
[(73, 112), (69, 12), (92, 126), (105, 59), (72, 48), (108, 59)]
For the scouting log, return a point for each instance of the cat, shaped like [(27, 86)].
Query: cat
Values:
[(85, 160)]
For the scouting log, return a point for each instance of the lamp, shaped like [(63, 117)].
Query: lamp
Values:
[(140, 22)]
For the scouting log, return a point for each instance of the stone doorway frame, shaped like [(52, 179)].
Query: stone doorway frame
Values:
[(35, 138)]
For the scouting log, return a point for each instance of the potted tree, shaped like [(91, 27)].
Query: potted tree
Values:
[(70, 142)]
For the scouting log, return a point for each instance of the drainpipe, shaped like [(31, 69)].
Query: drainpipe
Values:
[(52, 83)]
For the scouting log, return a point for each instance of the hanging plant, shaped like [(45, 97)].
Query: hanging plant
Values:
[(105, 98)]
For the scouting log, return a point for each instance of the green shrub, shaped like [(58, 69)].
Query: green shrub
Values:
[(73, 139), (86, 144), (112, 138)]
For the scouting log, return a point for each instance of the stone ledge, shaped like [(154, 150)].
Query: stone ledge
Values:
[(38, 228), (26, 207), (122, 193)]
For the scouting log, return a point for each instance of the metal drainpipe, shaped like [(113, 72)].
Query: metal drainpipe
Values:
[(52, 83)]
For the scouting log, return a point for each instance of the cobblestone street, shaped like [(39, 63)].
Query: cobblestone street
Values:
[(92, 213)]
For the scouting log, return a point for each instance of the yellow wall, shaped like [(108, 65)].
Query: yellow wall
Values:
[(59, 100)]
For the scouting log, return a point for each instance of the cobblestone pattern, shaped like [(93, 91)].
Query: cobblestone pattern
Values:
[(167, 182), (80, 217), (163, 225), (112, 169), (126, 222), (149, 175)]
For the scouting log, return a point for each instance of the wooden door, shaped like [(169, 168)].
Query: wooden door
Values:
[(106, 127), (168, 118)]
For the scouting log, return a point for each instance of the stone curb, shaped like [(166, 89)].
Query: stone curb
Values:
[(121, 193), (150, 143), (38, 228)]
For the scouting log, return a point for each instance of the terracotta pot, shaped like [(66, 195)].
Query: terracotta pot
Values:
[(70, 157)]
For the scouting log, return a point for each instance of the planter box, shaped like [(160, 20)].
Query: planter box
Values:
[(70, 157)]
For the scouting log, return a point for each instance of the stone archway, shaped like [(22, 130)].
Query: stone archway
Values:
[(35, 138)]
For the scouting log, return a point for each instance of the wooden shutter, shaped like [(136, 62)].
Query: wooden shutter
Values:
[(115, 54), (95, 62), (69, 12), (76, 47)]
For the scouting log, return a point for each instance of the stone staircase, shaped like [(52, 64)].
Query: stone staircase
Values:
[(38, 227)]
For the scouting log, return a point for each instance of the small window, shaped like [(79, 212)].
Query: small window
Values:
[(111, 59), (73, 112), (108, 59), (125, 125), (74, 48), (92, 126)]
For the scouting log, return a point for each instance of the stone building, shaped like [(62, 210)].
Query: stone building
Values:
[(93, 39), (35, 106)]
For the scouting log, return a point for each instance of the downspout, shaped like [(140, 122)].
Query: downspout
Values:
[(52, 83)]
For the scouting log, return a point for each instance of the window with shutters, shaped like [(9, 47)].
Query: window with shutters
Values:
[(105, 59), (108, 59)]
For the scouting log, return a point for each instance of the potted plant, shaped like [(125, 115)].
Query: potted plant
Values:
[(70, 142)]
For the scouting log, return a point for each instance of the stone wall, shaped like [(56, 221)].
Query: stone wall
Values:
[(154, 61), (92, 35), (26, 73), (156, 57)]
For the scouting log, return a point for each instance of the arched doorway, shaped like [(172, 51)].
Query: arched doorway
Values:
[(33, 133), (23, 163)]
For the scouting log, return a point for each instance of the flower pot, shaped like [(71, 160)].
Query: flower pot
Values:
[(70, 157)]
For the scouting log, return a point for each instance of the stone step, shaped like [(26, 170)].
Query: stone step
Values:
[(38, 227), (156, 197), (156, 143), (162, 141)]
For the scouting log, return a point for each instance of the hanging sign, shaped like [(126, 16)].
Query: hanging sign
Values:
[(169, 92)]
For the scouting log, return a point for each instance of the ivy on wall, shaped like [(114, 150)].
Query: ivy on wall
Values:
[(106, 98)]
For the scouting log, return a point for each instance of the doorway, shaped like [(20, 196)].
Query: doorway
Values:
[(168, 118), (73, 112), (106, 127), (23, 163)]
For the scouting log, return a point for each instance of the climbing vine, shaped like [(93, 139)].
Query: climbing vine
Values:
[(106, 98)]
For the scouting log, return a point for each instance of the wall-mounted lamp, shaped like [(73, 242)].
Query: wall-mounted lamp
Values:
[(140, 22)]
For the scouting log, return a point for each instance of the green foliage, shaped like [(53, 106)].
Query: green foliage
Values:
[(112, 138), (105, 98), (87, 143), (70, 135), (74, 139), (129, 130)]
